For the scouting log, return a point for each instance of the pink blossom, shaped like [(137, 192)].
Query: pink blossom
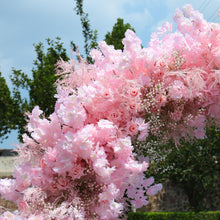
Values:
[(132, 128), (10, 216), (8, 189), (133, 92), (176, 115), (188, 10), (22, 205), (154, 189), (161, 100), (80, 161), (63, 182), (199, 133), (148, 182), (177, 90)]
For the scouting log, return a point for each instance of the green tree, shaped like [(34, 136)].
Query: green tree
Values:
[(40, 86), (193, 166), (7, 110), (118, 33)]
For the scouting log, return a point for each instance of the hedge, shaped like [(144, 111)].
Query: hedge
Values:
[(211, 215)]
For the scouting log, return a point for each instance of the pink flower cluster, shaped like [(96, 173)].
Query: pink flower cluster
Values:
[(71, 169), (80, 162), (173, 85)]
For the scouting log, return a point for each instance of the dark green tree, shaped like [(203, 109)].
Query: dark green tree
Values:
[(193, 166), (40, 86), (118, 33), (42, 89), (7, 110)]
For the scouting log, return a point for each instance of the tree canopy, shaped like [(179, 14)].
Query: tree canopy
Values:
[(193, 166), (117, 34), (7, 109)]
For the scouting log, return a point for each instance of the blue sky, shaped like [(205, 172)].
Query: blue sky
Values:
[(25, 22)]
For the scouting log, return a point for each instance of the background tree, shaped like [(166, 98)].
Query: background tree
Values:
[(7, 108), (118, 33), (194, 167)]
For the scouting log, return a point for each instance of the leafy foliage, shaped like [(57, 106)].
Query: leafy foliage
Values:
[(193, 166), (118, 33), (7, 109), (42, 87)]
